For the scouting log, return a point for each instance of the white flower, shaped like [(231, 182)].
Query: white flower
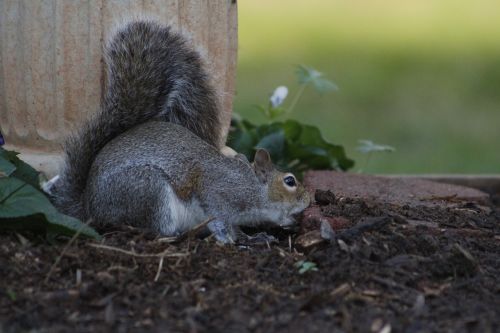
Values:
[(278, 96)]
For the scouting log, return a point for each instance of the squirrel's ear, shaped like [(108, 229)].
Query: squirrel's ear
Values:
[(262, 164)]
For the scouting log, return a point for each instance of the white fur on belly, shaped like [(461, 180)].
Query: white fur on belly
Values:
[(179, 216)]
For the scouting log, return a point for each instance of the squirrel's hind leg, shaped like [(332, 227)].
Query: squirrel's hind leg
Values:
[(175, 215), (140, 196)]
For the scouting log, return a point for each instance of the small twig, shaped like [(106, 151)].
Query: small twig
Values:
[(340, 291), (168, 240), (187, 234), (284, 253), (138, 255), (160, 266), (197, 228), (78, 277), (63, 252), (121, 268)]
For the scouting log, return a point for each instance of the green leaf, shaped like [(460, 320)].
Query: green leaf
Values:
[(242, 136), (6, 167), (323, 85), (306, 74), (306, 266), (310, 146), (274, 143), (276, 112), (293, 130), (309, 75), (367, 146), (23, 207), (22, 170), (293, 146), (242, 141)]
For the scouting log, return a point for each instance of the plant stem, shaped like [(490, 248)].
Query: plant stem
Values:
[(296, 98), (367, 160), (365, 165)]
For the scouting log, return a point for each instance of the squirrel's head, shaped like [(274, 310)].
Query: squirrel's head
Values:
[(287, 197)]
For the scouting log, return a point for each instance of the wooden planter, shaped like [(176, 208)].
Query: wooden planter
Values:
[(52, 71)]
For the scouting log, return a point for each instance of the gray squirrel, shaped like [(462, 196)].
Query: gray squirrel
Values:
[(151, 156)]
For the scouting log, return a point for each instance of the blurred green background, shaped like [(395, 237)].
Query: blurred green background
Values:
[(422, 76)]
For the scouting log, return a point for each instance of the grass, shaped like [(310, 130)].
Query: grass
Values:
[(422, 76)]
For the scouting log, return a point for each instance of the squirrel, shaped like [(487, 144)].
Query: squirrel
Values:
[(151, 156)]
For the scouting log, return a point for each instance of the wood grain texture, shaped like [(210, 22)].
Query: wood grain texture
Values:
[(51, 67)]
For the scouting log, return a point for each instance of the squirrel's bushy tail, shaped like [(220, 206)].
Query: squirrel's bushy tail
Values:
[(152, 74)]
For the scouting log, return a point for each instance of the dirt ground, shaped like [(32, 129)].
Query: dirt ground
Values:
[(427, 265)]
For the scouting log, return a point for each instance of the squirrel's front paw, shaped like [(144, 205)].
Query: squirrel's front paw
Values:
[(222, 232)]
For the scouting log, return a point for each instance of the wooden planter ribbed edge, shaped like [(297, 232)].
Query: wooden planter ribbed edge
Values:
[(52, 69)]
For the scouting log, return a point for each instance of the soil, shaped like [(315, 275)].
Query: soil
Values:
[(409, 260)]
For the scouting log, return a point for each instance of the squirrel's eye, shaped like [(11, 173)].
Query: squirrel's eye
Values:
[(290, 181)]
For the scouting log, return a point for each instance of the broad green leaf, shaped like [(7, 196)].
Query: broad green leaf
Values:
[(22, 170), (23, 207), (310, 157), (311, 135), (293, 129), (274, 143), (6, 167), (242, 141)]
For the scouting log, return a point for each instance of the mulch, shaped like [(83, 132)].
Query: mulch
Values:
[(399, 257)]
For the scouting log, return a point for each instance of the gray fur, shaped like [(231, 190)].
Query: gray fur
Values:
[(152, 74), (151, 156), (128, 190)]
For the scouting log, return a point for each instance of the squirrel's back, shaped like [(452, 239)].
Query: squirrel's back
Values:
[(151, 74), (173, 170)]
